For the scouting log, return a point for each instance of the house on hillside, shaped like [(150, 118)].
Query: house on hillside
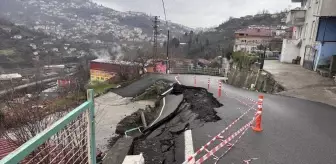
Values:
[(249, 39), (111, 70), (313, 34)]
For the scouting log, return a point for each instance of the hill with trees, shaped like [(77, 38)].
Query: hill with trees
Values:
[(219, 41), (23, 47)]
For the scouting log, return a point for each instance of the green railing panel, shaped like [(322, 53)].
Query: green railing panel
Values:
[(90, 96), (24, 150)]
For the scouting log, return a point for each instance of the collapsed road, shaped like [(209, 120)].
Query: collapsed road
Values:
[(160, 143), (294, 130)]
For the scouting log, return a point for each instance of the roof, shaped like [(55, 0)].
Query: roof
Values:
[(255, 32), (118, 62), (10, 76)]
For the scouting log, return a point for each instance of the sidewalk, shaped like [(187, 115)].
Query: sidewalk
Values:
[(110, 109), (302, 83)]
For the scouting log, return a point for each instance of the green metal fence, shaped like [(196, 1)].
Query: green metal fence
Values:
[(71, 139)]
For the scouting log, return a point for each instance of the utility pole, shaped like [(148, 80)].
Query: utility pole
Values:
[(262, 58), (168, 63), (156, 33)]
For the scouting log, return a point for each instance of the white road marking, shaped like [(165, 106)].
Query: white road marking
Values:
[(177, 80), (164, 103), (188, 141), (167, 91), (188, 145)]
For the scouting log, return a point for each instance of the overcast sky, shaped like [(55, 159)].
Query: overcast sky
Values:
[(198, 13)]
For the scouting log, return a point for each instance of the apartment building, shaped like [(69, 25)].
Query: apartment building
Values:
[(313, 32), (249, 39)]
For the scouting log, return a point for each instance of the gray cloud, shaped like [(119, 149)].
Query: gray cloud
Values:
[(198, 13)]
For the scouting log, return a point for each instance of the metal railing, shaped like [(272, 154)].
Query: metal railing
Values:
[(197, 70), (71, 139)]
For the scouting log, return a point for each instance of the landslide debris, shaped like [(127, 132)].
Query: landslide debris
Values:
[(159, 145)]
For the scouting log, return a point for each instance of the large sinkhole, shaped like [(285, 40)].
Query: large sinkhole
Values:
[(158, 144)]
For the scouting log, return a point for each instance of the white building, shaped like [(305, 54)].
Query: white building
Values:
[(313, 35), (17, 37)]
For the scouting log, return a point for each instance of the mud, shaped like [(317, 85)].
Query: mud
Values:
[(159, 145), (134, 120)]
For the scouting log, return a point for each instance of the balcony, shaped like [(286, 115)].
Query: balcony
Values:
[(328, 8), (296, 17)]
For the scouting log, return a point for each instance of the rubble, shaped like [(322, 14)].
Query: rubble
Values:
[(158, 145)]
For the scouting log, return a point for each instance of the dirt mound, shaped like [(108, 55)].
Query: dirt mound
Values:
[(202, 102), (160, 144)]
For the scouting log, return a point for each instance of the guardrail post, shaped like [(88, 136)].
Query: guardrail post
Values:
[(208, 83), (194, 81), (219, 88), (91, 128)]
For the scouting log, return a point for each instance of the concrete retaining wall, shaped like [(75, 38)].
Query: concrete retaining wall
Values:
[(244, 78)]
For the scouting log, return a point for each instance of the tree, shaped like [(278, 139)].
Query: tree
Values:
[(207, 42), (23, 117), (197, 39), (175, 42)]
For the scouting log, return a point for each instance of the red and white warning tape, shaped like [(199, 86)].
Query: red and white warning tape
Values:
[(224, 142), (244, 103), (241, 135), (218, 136)]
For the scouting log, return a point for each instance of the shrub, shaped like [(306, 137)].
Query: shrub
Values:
[(244, 60)]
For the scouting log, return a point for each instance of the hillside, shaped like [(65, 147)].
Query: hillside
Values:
[(22, 47), (84, 21), (219, 41)]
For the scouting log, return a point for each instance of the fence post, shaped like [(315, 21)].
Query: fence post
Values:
[(208, 83), (219, 88), (91, 128), (194, 81)]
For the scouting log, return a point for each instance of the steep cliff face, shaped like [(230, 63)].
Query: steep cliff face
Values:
[(249, 79)]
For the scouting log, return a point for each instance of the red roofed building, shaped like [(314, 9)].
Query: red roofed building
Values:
[(111, 70), (250, 38)]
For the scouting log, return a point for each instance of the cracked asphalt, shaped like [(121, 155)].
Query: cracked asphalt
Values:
[(295, 130)]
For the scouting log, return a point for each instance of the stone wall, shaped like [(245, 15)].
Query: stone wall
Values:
[(249, 79)]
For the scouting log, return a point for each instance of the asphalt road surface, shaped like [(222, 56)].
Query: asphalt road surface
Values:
[(138, 87), (294, 130)]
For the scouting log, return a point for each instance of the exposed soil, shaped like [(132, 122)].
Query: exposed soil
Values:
[(159, 145), (202, 102), (134, 120)]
